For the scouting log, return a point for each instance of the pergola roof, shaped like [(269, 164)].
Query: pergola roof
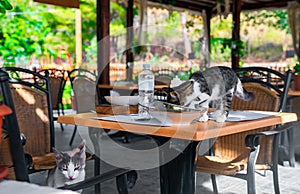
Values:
[(210, 5)]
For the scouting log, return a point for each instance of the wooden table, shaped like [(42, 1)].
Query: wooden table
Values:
[(178, 175), (293, 92)]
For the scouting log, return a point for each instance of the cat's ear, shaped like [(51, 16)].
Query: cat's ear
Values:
[(58, 154), (82, 149), (82, 146)]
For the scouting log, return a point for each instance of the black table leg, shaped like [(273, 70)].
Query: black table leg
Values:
[(177, 176), (94, 134)]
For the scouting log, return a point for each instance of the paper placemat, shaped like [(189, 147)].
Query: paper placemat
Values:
[(235, 116), (134, 119)]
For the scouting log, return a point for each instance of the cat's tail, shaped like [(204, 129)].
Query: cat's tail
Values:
[(242, 93)]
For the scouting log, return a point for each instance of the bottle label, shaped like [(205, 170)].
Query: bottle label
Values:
[(146, 85)]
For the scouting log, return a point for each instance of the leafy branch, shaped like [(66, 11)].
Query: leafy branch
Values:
[(4, 6)]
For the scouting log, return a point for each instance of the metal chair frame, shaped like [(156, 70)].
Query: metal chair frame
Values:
[(80, 73), (280, 83)]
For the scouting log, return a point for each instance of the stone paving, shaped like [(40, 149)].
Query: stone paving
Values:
[(148, 180)]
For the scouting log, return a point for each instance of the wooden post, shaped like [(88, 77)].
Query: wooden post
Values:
[(236, 11), (103, 40), (208, 19), (78, 32), (129, 40), (206, 37)]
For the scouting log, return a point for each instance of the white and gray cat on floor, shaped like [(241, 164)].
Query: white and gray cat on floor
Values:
[(70, 167)]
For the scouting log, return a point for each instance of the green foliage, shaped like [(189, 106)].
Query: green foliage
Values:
[(221, 49), (4, 6), (168, 30), (297, 68), (33, 29), (88, 11), (118, 19), (274, 18)]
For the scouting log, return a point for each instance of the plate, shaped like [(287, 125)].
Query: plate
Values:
[(172, 113), (122, 100)]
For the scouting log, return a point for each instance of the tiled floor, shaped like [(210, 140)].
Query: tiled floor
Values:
[(148, 179)]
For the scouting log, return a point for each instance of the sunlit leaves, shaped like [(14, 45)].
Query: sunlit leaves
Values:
[(5, 5)]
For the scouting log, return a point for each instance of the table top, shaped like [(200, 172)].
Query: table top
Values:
[(196, 131), (293, 92)]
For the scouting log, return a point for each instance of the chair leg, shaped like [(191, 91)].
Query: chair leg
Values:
[(131, 178), (251, 170), (251, 182), (125, 138), (290, 135), (214, 183), (275, 164), (73, 135), (122, 184), (97, 172), (275, 179), (62, 127)]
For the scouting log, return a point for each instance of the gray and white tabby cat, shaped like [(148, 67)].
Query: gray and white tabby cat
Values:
[(70, 167), (216, 84)]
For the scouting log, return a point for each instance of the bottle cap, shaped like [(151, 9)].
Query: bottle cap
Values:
[(146, 66)]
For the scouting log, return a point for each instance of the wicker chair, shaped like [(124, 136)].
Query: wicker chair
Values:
[(33, 117), (58, 79), (31, 98), (280, 82), (229, 154), (84, 88), (164, 76)]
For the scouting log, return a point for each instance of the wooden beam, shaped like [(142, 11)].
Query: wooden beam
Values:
[(64, 3), (129, 40), (103, 40), (235, 55), (78, 33), (264, 5)]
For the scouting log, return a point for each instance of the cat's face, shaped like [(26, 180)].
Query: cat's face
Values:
[(184, 94), (71, 163)]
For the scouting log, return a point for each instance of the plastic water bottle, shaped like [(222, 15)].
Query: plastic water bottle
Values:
[(146, 91)]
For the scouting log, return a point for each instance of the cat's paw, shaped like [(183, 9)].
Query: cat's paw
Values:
[(221, 118), (203, 118)]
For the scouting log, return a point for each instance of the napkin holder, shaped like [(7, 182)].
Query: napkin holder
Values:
[(116, 109)]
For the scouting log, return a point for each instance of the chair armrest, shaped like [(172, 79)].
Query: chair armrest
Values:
[(253, 140)]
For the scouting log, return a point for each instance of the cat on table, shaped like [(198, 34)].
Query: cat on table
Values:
[(216, 84), (70, 167)]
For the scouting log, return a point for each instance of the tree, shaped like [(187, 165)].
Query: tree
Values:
[(32, 28), (4, 6)]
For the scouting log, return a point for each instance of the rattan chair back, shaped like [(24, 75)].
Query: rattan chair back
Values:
[(232, 147), (33, 118), (269, 78), (32, 100)]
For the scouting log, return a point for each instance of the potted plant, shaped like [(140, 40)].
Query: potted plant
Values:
[(297, 76)]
